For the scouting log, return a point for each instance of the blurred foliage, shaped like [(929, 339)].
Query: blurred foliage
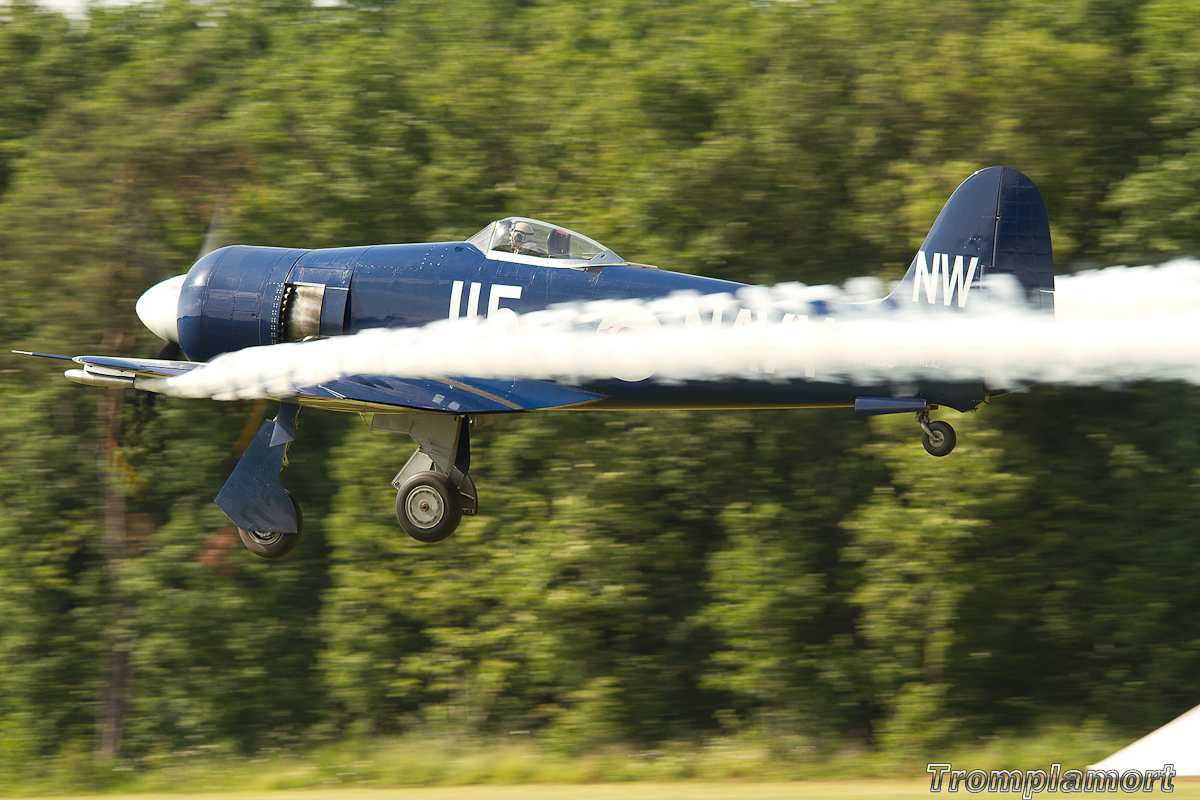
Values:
[(798, 576)]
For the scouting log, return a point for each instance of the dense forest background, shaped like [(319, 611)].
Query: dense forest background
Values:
[(642, 577)]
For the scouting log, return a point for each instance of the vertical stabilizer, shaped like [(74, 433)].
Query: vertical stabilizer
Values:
[(994, 224)]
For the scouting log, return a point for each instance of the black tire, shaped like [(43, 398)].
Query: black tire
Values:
[(268, 544), (428, 507), (942, 441)]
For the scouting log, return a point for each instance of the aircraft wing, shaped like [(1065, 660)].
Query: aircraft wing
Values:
[(120, 372), (357, 393), (448, 395), (139, 367)]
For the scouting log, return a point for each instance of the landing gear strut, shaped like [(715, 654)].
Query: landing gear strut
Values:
[(937, 437), (433, 490)]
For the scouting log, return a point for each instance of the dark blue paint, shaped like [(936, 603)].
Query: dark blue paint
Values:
[(474, 396), (872, 406), (1022, 241), (998, 216), (253, 498), (231, 300), (333, 311)]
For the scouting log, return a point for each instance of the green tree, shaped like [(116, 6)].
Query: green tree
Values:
[(909, 544)]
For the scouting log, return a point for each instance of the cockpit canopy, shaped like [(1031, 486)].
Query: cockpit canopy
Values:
[(530, 241)]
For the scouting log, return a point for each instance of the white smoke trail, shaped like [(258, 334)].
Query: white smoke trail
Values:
[(1111, 327)]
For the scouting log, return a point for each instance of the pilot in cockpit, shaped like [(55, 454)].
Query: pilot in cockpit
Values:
[(522, 240)]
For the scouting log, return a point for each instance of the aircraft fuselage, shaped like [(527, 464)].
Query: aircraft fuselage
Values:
[(244, 296)]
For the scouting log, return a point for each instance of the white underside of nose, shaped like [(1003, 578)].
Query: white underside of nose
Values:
[(158, 308)]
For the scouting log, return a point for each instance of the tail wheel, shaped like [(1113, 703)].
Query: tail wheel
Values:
[(428, 507), (273, 544), (939, 439)]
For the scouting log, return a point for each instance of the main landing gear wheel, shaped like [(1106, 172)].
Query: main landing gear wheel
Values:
[(428, 507), (938, 438), (272, 544)]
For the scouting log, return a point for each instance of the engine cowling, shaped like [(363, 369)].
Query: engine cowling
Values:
[(244, 296), (232, 298)]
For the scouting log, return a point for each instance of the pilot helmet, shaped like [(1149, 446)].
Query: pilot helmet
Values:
[(522, 232)]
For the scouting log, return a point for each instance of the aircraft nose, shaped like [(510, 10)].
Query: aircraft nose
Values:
[(158, 308)]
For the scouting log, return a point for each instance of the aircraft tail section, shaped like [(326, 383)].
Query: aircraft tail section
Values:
[(994, 224)]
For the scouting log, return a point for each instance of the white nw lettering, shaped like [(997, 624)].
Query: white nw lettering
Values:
[(949, 281), (927, 276), (923, 276)]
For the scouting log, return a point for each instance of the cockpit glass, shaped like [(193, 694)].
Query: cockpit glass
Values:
[(483, 238), (530, 238)]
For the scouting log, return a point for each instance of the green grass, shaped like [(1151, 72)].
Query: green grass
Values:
[(427, 767), (642, 791), (686, 790)]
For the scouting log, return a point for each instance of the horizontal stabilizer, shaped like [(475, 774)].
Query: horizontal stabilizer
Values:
[(872, 406)]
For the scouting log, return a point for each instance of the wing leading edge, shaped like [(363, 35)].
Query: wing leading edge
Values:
[(357, 393), (116, 372)]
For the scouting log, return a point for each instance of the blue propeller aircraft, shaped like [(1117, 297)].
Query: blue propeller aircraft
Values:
[(995, 223)]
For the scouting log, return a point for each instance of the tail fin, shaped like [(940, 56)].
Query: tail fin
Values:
[(995, 223)]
